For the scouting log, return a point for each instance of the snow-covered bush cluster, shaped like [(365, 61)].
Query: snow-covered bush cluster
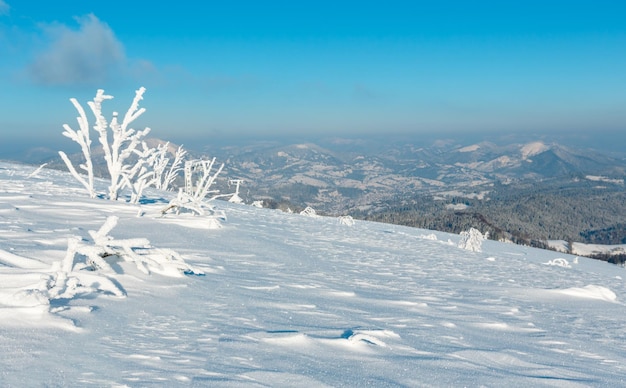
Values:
[(346, 220), (309, 211), (131, 163), (472, 240), (199, 179), (88, 268), (105, 250), (559, 262)]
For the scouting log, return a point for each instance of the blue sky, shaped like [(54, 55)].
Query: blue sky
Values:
[(249, 69)]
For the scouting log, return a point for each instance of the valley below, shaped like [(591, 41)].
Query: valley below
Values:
[(529, 193)]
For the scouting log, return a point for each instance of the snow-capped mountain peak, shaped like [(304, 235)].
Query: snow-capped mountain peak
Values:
[(532, 149)]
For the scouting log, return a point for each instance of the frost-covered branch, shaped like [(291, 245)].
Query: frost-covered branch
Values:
[(124, 140), (135, 250), (164, 176), (81, 136), (119, 143), (202, 187), (37, 171), (194, 197), (140, 175)]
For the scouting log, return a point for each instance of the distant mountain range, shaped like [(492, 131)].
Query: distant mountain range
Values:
[(337, 180), (525, 192)]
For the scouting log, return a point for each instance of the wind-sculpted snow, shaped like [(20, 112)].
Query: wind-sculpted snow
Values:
[(290, 300)]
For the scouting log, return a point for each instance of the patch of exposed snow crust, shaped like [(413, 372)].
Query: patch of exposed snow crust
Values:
[(589, 292)]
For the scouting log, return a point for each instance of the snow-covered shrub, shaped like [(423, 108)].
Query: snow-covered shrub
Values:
[(309, 211), (199, 178), (88, 267), (559, 262), (472, 240), (121, 144), (346, 220), (106, 249), (141, 174), (165, 172), (128, 165)]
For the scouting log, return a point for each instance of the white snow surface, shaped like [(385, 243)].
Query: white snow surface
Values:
[(291, 301), (532, 149), (587, 249)]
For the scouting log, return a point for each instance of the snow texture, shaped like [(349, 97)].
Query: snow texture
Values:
[(286, 300)]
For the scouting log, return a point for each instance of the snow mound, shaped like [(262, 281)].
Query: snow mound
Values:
[(590, 292)]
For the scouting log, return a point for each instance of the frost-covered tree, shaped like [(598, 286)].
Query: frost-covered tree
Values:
[(118, 140), (346, 220), (120, 145), (165, 172), (201, 187), (200, 176), (309, 211), (472, 240), (141, 174)]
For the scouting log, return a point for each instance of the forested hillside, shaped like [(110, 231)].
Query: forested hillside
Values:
[(571, 210)]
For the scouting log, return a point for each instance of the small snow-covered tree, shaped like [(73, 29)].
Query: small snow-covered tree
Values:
[(472, 240), (165, 172), (141, 174), (123, 140), (309, 211), (346, 220), (201, 187), (119, 143), (199, 180)]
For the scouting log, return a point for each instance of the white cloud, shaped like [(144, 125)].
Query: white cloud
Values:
[(88, 56)]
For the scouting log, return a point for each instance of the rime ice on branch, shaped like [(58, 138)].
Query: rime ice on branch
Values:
[(128, 164), (199, 179), (124, 140), (81, 136)]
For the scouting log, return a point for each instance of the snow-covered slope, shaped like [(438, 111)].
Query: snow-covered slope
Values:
[(289, 300)]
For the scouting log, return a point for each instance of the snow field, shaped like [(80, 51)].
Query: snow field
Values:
[(290, 300)]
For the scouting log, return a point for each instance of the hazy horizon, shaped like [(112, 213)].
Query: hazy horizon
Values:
[(39, 150)]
